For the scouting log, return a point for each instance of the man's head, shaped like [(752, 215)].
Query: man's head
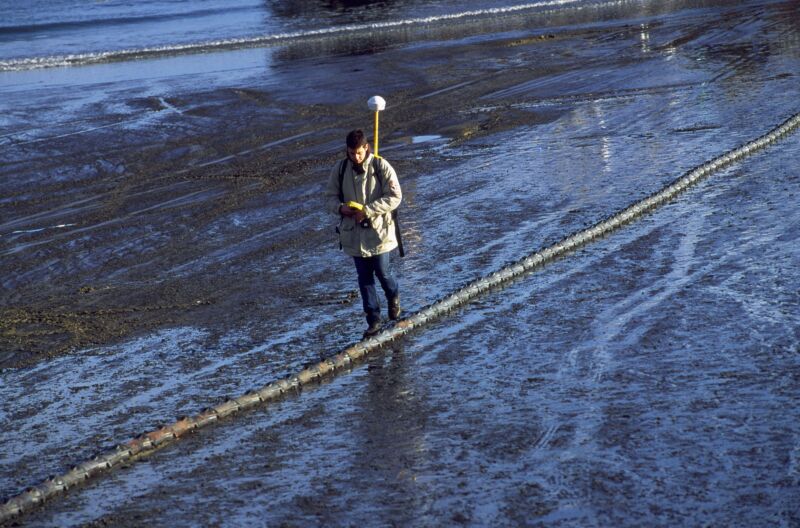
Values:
[(357, 146)]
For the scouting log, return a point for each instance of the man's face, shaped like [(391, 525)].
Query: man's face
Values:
[(359, 154)]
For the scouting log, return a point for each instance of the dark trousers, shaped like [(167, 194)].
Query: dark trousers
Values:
[(368, 268)]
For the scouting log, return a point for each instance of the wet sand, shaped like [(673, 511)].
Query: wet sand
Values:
[(170, 260)]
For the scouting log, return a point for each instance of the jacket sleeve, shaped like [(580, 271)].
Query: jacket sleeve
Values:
[(391, 195), (332, 201)]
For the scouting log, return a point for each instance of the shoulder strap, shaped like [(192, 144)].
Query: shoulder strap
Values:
[(377, 170), (376, 167), (342, 168)]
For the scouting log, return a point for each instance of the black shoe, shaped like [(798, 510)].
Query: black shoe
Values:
[(374, 329), (394, 308)]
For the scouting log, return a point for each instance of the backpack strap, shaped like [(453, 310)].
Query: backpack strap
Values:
[(376, 169), (342, 168)]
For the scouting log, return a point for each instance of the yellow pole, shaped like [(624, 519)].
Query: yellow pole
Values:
[(376, 132)]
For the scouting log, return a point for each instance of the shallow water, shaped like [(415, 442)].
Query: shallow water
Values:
[(66, 32), (649, 378)]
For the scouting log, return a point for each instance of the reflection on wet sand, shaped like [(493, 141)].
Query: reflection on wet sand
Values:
[(390, 432)]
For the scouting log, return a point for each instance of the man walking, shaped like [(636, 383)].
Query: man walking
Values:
[(364, 190)]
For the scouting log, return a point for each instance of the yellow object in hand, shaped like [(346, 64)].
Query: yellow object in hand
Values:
[(355, 205)]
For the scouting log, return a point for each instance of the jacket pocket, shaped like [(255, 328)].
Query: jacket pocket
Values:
[(380, 224), (376, 234), (347, 233)]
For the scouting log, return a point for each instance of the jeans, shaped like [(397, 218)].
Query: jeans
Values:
[(368, 268)]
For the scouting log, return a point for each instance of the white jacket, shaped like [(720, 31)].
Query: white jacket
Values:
[(380, 195)]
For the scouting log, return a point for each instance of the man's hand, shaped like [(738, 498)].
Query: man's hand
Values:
[(357, 214)]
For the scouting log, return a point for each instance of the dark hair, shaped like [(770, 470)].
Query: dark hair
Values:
[(356, 138)]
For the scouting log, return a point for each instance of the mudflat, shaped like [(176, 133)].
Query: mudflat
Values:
[(162, 257)]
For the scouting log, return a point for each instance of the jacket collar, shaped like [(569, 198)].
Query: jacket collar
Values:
[(365, 164)]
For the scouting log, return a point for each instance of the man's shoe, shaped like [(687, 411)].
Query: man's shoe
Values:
[(394, 308), (374, 328)]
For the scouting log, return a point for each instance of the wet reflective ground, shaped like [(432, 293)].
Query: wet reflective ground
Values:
[(648, 379)]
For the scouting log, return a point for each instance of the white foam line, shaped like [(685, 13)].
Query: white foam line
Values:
[(245, 152), (23, 131), (175, 201), (37, 230), (82, 131), (449, 88), (30, 63), (219, 160)]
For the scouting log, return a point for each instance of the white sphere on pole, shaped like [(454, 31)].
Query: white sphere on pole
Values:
[(376, 103)]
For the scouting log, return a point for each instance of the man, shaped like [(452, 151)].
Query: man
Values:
[(366, 230)]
